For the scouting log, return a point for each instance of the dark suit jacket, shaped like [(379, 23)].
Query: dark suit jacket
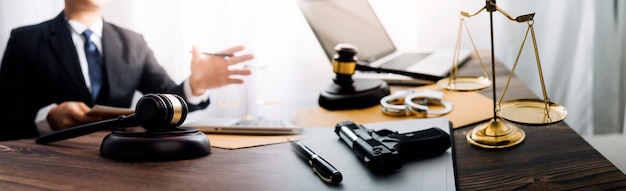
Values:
[(40, 67)]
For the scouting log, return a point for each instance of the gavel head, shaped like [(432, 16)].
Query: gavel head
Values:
[(344, 63), (160, 111)]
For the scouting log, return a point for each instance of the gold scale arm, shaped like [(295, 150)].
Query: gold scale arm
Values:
[(543, 86), (465, 83), (456, 83), (528, 18), (547, 104), (496, 133)]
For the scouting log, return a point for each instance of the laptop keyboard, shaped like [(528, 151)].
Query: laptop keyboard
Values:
[(261, 123), (404, 61)]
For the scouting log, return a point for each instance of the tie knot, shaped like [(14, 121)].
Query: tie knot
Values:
[(87, 33)]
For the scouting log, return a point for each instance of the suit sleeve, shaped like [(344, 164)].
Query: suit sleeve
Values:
[(16, 112), (154, 78)]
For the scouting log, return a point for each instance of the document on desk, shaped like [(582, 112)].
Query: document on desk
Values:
[(436, 173), (103, 110)]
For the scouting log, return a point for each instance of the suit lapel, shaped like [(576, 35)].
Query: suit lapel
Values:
[(63, 46), (114, 54)]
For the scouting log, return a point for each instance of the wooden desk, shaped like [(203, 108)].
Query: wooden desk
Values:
[(551, 158)]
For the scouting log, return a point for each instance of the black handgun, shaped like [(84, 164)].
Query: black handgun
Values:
[(385, 150)]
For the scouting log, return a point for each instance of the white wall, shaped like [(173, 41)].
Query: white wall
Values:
[(18, 13)]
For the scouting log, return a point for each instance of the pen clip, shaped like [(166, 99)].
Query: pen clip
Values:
[(325, 179)]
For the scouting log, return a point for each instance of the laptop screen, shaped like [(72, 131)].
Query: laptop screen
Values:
[(347, 21)]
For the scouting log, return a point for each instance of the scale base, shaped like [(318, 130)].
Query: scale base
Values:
[(362, 93), (495, 134), (177, 143)]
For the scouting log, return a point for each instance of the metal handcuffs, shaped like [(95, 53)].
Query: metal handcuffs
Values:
[(405, 103)]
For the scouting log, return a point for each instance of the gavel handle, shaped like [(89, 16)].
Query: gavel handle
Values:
[(361, 67), (82, 130)]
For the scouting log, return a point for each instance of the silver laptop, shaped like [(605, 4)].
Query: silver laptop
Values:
[(244, 125), (355, 22)]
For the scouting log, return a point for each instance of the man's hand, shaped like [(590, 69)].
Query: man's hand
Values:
[(209, 72), (69, 114)]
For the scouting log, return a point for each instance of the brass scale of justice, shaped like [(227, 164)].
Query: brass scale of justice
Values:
[(497, 133)]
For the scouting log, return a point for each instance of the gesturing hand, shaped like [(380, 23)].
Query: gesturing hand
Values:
[(209, 72)]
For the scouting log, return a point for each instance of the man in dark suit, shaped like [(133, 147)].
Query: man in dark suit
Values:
[(46, 83)]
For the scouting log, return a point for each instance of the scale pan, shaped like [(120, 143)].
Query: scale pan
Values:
[(531, 112), (464, 83)]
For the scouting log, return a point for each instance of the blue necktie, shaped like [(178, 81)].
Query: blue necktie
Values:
[(94, 61)]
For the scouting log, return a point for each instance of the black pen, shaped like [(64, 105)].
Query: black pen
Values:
[(321, 167), (217, 54)]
